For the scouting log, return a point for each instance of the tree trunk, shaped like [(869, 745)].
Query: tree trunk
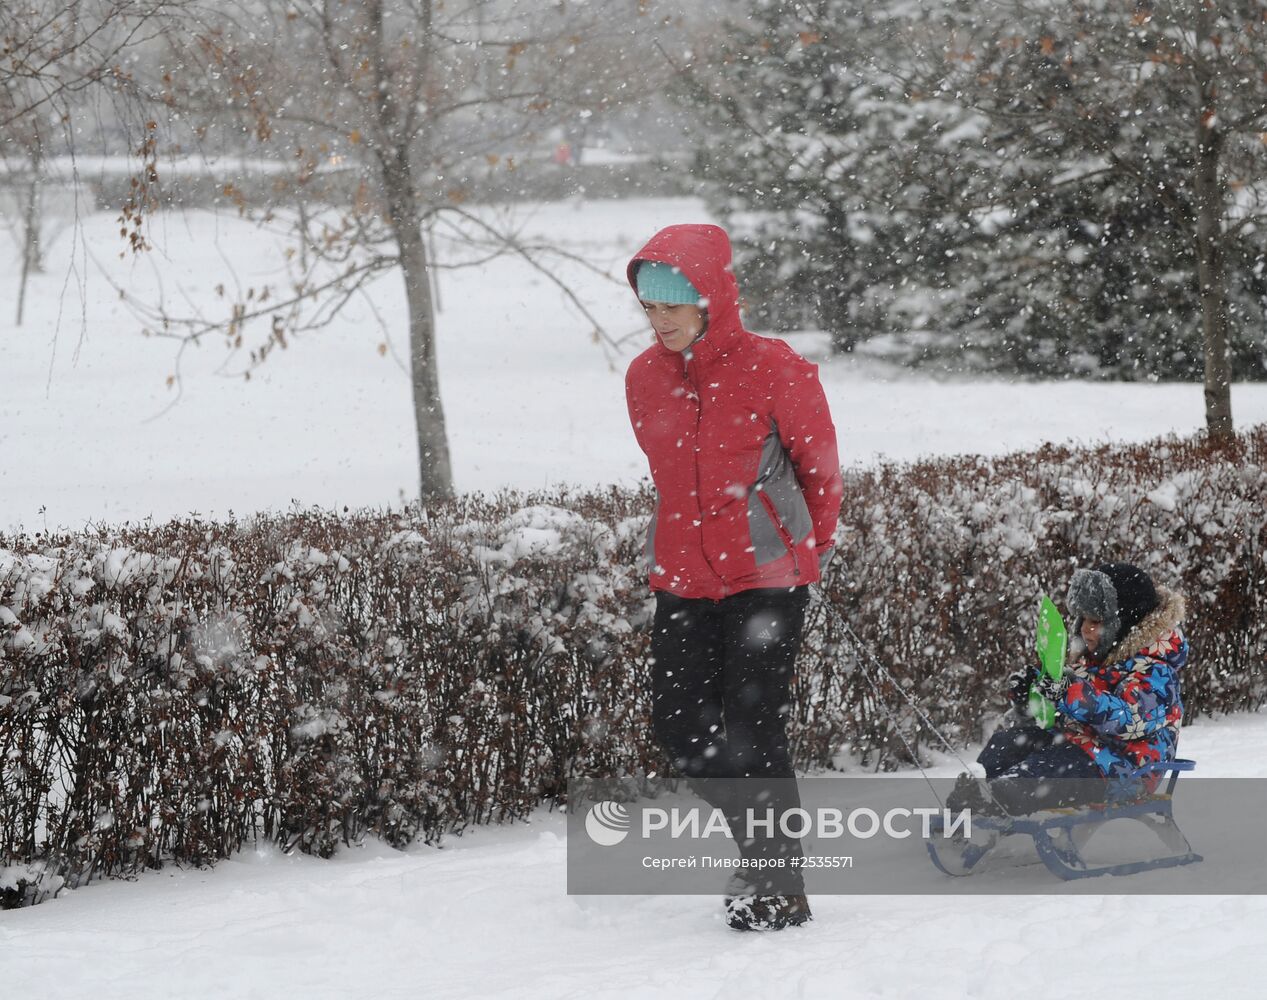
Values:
[(435, 472), (1210, 208), (31, 261), (834, 295), (394, 138)]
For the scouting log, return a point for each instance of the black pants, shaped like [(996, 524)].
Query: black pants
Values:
[(1030, 768), (721, 677)]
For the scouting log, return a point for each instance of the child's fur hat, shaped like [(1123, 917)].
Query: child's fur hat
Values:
[(1118, 594)]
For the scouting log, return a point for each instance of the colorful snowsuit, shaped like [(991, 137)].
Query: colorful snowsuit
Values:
[(1125, 710)]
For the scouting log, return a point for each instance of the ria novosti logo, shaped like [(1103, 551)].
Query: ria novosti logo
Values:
[(607, 823)]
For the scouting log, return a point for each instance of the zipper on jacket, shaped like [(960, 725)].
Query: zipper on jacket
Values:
[(693, 393), (785, 536)]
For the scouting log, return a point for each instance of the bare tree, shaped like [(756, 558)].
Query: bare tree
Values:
[(55, 57), (51, 50), (26, 182), (394, 112)]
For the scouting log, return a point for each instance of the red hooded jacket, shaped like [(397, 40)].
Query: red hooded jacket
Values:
[(739, 438)]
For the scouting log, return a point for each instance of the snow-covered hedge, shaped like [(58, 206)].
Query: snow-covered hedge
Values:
[(174, 692)]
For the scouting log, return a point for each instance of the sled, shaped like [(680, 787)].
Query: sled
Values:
[(1059, 835)]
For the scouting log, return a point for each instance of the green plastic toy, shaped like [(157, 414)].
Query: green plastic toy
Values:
[(1051, 641)]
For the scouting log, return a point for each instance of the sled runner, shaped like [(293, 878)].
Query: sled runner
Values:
[(1059, 835)]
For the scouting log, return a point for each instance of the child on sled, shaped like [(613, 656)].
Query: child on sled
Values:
[(1117, 703)]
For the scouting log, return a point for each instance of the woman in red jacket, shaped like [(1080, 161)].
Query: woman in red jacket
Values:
[(743, 456)]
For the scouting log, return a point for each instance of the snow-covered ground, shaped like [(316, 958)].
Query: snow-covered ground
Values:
[(487, 915), (85, 436), (86, 433)]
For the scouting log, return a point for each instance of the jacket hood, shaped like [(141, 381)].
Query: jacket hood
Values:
[(702, 252)]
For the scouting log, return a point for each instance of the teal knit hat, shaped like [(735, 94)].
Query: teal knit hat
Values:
[(659, 282)]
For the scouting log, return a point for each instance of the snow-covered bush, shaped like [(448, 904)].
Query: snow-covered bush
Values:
[(172, 693), (175, 692)]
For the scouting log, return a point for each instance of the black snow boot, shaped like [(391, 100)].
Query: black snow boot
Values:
[(974, 794), (767, 913)]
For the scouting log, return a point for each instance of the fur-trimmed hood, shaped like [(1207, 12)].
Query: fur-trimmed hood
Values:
[(1156, 625)]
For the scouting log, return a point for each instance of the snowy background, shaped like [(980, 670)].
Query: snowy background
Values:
[(89, 432), (890, 160)]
